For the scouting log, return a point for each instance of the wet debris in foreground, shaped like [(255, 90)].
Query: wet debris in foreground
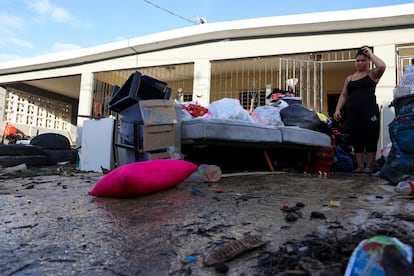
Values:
[(25, 172), (322, 255)]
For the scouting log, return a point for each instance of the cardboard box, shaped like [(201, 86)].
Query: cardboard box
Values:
[(158, 112), (156, 137), (147, 137), (150, 112)]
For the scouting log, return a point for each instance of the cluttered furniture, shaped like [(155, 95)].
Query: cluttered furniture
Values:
[(201, 132), (149, 125), (146, 124)]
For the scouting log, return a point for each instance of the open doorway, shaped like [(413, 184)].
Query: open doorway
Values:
[(332, 101)]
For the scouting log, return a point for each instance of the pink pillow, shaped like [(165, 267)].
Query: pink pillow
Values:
[(143, 177)]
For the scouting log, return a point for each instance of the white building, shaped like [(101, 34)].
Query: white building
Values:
[(237, 59)]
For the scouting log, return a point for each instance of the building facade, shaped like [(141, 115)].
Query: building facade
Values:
[(310, 54)]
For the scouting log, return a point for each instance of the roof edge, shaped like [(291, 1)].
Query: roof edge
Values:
[(205, 32)]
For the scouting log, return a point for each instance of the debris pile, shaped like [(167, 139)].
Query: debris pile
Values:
[(321, 255)]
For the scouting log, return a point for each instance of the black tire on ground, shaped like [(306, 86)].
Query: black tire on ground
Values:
[(20, 149), (55, 156), (29, 160), (52, 141)]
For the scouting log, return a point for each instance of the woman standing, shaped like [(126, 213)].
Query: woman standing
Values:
[(362, 113)]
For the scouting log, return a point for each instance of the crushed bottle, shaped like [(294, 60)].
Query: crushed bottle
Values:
[(405, 187), (210, 173)]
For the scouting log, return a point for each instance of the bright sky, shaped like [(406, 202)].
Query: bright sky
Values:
[(37, 27)]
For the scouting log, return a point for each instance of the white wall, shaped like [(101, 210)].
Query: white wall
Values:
[(383, 41)]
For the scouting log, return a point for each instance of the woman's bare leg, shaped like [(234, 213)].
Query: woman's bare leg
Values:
[(359, 156), (370, 159)]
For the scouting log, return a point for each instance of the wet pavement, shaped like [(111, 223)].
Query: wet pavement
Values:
[(49, 225)]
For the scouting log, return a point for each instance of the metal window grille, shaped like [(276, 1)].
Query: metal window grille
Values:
[(246, 79), (178, 77), (404, 57)]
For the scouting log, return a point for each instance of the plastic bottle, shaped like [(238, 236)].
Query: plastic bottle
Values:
[(210, 173), (405, 187)]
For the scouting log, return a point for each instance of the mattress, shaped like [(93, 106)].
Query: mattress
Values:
[(234, 132)]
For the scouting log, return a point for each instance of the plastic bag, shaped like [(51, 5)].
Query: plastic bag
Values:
[(185, 115), (385, 151), (406, 86), (298, 115), (343, 160), (227, 108), (267, 115)]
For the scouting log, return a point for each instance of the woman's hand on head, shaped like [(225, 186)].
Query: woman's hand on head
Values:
[(367, 51)]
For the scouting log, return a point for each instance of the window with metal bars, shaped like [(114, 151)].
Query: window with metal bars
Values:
[(179, 77)]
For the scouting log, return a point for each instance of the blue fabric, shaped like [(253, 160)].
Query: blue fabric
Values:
[(343, 160)]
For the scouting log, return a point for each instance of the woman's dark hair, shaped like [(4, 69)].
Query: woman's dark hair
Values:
[(360, 52)]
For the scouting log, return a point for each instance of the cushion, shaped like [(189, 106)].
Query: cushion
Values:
[(143, 177)]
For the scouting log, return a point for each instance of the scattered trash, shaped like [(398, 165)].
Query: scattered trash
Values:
[(221, 268), (232, 249), (300, 204), (196, 192), (209, 173), (31, 186), (238, 196), (330, 253), (284, 207), (291, 217), (334, 203), (189, 259), (294, 212), (405, 187), (317, 215), (105, 170), (20, 167)]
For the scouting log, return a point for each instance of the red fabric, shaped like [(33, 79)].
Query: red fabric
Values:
[(195, 110), (323, 159), (143, 177), (10, 130)]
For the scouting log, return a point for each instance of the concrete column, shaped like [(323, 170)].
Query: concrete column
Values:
[(201, 85), (85, 102), (2, 110), (384, 90)]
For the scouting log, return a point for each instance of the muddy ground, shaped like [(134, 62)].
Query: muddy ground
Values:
[(49, 225)]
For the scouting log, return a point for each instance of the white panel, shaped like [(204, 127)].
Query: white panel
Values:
[(97, 145)]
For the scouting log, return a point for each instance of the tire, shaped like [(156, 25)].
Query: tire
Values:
[(29, 160), (19, 150), (51, 141), (55, 156)]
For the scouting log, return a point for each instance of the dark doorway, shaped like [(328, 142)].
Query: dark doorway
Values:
[(332, 101)]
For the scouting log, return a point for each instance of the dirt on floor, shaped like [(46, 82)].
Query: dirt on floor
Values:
[(259, 223)]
